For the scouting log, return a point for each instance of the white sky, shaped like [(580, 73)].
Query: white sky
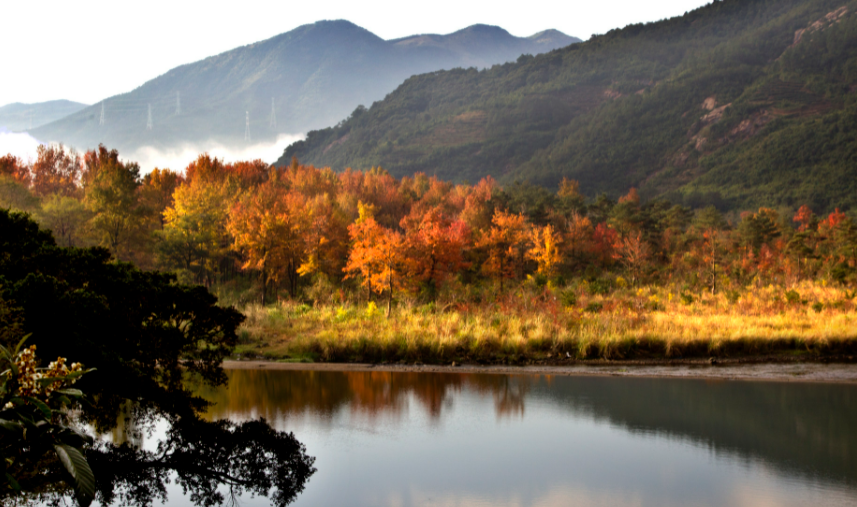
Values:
[(87, 50)]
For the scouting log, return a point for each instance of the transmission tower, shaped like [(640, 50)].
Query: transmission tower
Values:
[(178, 103), (149, 121), (247, 127), (273, 115), (101, 120)]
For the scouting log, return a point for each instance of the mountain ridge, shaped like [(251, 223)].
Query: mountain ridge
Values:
[(19, 116), (695, 108), (310, 77)]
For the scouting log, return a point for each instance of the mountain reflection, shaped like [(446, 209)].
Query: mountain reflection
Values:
[(804, 429)]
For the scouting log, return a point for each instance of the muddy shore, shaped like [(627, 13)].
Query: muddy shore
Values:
[(828, 370)]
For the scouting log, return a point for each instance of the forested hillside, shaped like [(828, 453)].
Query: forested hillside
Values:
[(304, 79), (741, 103)]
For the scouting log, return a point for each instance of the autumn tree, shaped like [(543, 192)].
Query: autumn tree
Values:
[(478, 206), (195, 237), (506, 245), (325, 237), (264, 230), (633, 252), (434, 245), (110, 194), (15, 168), (376, 255), (156, 193), (545, 249), (713, 250), (56, 171)]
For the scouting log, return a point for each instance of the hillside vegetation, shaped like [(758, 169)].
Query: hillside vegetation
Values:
[(740, 104), (311, 77)]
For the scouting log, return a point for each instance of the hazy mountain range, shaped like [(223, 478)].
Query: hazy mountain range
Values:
[(310, 77), (18, 117), (740, 103)]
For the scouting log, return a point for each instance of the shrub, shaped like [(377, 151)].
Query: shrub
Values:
[(600, 287), (568, 297), (594, 307), (792, 297)]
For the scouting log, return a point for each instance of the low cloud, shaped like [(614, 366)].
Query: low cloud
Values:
[(19, 144), (179, 157)]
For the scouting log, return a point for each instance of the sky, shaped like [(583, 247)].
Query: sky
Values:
[(88, 50)]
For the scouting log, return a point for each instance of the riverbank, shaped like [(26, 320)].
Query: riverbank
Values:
[(649, 323), (793, 371)]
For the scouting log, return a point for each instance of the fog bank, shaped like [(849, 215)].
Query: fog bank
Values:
[(177, 158), (21, 144)]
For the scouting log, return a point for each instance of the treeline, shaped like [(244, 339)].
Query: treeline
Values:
[(327, 236)]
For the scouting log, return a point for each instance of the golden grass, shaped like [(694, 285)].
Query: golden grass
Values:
[(649, 322)]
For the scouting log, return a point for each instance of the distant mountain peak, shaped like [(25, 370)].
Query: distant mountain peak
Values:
[(304, 79)]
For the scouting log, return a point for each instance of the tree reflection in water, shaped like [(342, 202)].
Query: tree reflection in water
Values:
[(213, 462), (803, 429), (371, 394), (204, 458)]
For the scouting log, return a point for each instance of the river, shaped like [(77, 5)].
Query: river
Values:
[(475, 439)]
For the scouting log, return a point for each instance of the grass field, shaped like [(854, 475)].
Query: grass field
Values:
[(640, 323)]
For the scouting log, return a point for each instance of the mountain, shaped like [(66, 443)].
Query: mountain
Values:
[(314, 75), (740, 104), (17, 116)]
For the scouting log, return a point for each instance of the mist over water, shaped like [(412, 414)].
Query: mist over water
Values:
[(23, 145)]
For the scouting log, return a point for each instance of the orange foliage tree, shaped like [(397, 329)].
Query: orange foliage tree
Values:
[(376, 255), (634, 253), (56, 171), (506, 245), (545, 250), (265, 230)]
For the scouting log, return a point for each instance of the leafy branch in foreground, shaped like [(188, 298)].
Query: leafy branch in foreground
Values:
[(34, 423)]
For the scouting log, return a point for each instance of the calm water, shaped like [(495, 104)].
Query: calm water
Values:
[(429, 439)]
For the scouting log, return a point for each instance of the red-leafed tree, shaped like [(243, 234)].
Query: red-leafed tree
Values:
[(434, 246), (56, 171)]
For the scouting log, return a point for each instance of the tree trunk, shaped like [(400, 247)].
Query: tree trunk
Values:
[(264, 285), (390, 298)]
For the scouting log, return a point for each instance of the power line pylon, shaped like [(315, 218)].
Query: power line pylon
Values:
[(149, 121), (178, 103), (273, 115), (247, 127), (101, 120)]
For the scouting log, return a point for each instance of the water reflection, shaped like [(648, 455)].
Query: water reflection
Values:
[(143, 455), (210, 461), (270, 394), (553, 440)]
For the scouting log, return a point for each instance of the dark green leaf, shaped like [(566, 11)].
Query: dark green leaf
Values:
[(84, 481), (13, 483), (46, 410)]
